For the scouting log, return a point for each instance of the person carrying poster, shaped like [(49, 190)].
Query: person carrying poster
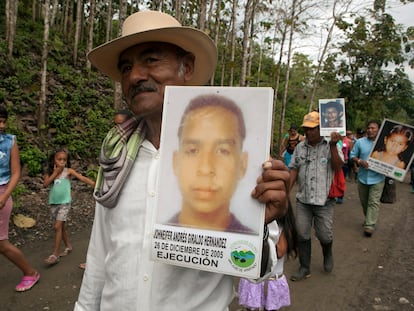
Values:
[(154, 51), (370, 183)]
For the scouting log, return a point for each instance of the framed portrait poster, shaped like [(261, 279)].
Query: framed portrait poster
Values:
[(214, 141), (332, 116), (392, 153)]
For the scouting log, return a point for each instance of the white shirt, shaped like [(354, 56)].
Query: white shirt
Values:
[(120, 275)]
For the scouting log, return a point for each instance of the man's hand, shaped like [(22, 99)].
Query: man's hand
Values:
[(335, 137), (273, 189)]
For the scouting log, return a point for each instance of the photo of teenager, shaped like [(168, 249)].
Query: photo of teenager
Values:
[(209, 163), (214, 141), (213, 147), (332, 113)]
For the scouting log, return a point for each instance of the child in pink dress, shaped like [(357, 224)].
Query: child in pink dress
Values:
[(272, 293)]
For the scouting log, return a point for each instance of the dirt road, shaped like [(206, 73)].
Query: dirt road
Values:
[(374, 273)]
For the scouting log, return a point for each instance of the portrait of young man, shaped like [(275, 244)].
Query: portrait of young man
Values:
[(211, 139)]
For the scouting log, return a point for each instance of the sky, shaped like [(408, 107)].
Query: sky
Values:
[(405, 15)]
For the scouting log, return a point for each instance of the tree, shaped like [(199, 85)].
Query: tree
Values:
[(11, 19), (371, 70), (43, 72)]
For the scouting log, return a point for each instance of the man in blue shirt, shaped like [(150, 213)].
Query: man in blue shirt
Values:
[(370, 183)]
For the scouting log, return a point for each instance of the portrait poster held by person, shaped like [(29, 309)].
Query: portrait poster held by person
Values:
[(332, 116), (213, 141), (273, 293), (393, 150), (289, 143), (370, 183), (154, 51), (58, 177), (9, 177), (312, 167)]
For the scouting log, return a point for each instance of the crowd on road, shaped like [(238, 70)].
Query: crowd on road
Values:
[(153, 52)]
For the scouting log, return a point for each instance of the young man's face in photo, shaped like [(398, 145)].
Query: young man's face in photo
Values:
[(332, 114), (210, 161)]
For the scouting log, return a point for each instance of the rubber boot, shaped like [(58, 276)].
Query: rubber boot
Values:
[(327, 257), (304, 249)]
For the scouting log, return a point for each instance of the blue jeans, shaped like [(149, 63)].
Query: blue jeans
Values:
[(287, 157), (370, 198), (320, 216)]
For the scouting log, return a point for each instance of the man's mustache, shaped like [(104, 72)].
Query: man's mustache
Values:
[(141, 88)]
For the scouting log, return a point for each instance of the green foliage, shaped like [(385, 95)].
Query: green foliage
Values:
[(17, 194), (372, 77), (33, 158)]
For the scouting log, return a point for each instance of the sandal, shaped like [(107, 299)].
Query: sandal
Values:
[(52, 260), (65, 252), (27, 282)]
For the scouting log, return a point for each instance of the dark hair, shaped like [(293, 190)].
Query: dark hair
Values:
[(333, 104), (377, 122), (402, 130), (214, 100), (289, 228), (51, 160), (3, 112)]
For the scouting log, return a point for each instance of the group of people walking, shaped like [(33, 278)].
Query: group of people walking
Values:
[(154, 51)]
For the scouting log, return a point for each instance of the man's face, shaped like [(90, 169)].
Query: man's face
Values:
[(372, 130), (312, 135), (209, 162), (146, 69), (331, 114)]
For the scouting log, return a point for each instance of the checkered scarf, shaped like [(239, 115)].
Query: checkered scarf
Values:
[(118, 152)]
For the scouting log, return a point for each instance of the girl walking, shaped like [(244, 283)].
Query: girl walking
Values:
[(273, 292), (9, 176), (60, 198)]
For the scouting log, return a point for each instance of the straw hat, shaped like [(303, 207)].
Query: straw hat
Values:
[(154, 26)]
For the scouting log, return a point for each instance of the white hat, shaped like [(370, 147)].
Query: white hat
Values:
[(154, 26)]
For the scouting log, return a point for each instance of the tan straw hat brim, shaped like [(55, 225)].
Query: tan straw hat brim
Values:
[(154, 26)]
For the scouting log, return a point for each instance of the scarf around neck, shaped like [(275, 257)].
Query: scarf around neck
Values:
[(118, 153)]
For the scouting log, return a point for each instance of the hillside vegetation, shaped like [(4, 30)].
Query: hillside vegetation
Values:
[(79, 107)]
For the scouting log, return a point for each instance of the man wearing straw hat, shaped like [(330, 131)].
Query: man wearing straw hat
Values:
[(153, 51)]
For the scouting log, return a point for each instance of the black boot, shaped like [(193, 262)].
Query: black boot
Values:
[(304, 249), (327, 256)]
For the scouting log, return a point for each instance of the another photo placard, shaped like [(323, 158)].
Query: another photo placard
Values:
[(393, 150), (332, 116), (214, 141)]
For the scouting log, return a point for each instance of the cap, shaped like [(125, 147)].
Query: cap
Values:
[(311, 119)]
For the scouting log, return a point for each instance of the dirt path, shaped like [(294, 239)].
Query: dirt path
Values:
[(370, 273)]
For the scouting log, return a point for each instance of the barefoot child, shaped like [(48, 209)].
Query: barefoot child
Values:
[(58, 175)]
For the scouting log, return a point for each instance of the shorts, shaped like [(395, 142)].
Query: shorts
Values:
[(5, 213), (271, 294), (60, 211)]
